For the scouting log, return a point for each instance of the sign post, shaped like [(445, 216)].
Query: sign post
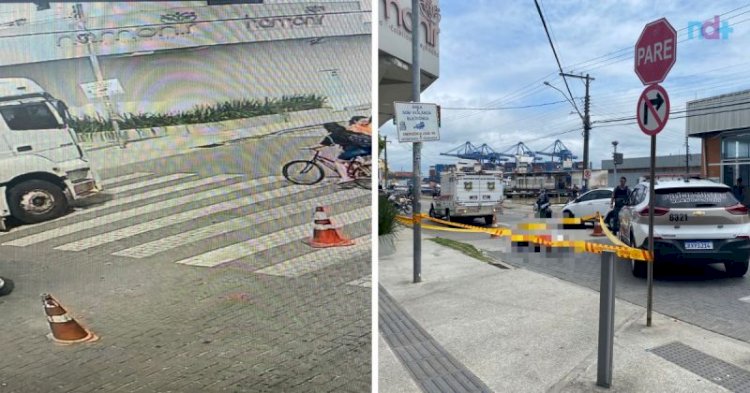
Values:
[(655, 54)]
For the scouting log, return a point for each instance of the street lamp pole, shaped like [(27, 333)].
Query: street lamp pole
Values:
[(614, 159), (584, 117)]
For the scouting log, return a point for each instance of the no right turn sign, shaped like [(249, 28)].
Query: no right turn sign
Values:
[(653, 110)]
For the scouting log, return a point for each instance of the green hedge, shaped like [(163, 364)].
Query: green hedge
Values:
[(386, 216), (230, 110)]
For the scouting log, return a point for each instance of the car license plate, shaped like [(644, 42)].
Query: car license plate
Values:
[(699, 245)]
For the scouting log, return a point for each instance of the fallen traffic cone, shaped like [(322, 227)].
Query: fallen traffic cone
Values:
[(65, 330), (597, 230), (325, 234), (494, 234)]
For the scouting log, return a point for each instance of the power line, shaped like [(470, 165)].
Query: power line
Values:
[(502, 108), (544, 23)]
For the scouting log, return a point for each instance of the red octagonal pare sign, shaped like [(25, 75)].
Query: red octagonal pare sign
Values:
[(655, 52)]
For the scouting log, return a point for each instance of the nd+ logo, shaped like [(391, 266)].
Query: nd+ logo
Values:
[(716, 30)]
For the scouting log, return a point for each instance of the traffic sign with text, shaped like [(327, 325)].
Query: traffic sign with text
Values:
[(417, 121), (655, 52), (653, 109)]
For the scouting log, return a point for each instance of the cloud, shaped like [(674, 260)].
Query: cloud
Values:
[(495, 53)]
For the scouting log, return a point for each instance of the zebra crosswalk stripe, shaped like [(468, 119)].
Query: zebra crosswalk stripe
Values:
[(365, 282), (147, 183), (185, 216), (317, 260), (189, 237), (142, 210), (139, 197), (115, 180), (267, 242)]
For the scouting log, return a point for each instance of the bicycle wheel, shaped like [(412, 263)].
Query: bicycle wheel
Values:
[(362, 175), (303, 172)]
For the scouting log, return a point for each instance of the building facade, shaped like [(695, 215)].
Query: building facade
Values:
[(170, 59), (635, 168), (395, 52), (723, 124)]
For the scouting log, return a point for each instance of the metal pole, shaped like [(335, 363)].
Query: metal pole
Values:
[(99, 76), (586, 129), (416, 181), (606, 320), (385, 151), (614, 161), (651, 196)]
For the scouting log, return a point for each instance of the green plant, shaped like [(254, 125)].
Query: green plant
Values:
[(386, 216), (228, 110)]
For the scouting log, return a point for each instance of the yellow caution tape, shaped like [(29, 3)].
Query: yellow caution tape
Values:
[(621, 249)]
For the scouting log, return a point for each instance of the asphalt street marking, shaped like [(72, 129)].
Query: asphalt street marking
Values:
[(178, 218), (168, 190), (286, 236), (170, 242), (147, 183), (123, 178), (365, 282), (745, 299), (317, 260), (141, 210)]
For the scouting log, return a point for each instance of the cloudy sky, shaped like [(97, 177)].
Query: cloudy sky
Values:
[(495, 54)]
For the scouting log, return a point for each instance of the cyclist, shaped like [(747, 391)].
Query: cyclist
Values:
[(619, 197), (355, 144)]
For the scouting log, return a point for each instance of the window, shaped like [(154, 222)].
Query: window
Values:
[(36, 116), (602, 194), (695, 197), (637, 195)]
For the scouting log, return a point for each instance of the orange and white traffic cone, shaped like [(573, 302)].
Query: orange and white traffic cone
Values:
[(597, 229), (494, 235), (65, 330), (325, 233)]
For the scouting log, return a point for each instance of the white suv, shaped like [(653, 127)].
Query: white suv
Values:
[(695, 221)]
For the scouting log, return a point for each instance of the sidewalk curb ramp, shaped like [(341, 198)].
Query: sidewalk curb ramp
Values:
[(64, 329), (325, 233)]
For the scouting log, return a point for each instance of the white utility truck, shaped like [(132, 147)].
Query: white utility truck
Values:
[(43, 169), (469, 195)]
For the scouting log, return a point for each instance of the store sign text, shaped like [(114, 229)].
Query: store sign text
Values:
[(430, 19), (132, 34), (284, 22)]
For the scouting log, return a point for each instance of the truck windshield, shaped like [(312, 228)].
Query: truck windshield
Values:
[(31, 116)]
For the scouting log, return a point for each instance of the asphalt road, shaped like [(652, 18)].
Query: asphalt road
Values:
[(703, 296), (194, 274)]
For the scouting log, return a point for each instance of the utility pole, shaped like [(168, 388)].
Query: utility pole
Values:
[(687, 159), (78, 14), (416, 84), (586, 121)]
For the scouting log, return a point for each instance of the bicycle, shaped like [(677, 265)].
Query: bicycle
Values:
[(309, 172)]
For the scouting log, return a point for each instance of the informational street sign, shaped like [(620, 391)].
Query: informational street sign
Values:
[(653, 109), (416, 121), (655, 52), (101, 89), (587, 174)]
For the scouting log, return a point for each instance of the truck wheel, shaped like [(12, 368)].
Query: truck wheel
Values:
[(35, 201), (488, 219), (6, 286), (736, 268)]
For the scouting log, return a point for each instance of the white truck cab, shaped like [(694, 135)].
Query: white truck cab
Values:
[(43, 169)]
